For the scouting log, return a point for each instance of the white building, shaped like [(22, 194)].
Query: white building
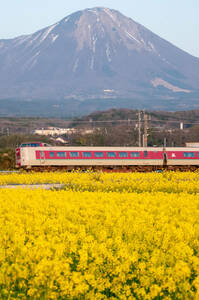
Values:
[(54, 131)]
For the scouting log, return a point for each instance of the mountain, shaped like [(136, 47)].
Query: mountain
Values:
[(98, 54)]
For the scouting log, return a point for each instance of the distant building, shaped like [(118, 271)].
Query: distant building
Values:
[(192, 144), (54, 131), (61, 140)]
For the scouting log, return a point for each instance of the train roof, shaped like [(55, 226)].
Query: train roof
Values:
[(106, 148)]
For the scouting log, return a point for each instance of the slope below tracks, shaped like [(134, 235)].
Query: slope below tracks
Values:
[(112, 169)]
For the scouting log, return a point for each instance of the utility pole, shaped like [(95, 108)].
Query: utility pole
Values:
[(91, 123), (165, 142), (145, 139), (139, 128)]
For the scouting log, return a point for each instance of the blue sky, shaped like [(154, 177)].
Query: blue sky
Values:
[(175, 20)]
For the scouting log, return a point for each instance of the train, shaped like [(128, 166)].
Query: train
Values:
[(41, 156)]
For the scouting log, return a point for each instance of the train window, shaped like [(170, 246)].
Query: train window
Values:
[(35, 145), (189, 154), (135, 154), (52, 154), (99, 154), (31, 145), (145, 153), (87, 154), (61, 154), (123, 154), (111, 154), (74, 154)]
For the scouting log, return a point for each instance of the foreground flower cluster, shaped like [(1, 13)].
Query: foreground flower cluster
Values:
[(104, 244)]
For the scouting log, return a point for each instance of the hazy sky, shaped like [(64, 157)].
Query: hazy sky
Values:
[(175, 20)]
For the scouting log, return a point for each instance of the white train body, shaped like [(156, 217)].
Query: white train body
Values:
[(46, 156)]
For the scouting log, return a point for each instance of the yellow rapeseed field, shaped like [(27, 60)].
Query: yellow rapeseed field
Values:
[(102, 236), (169, 182)]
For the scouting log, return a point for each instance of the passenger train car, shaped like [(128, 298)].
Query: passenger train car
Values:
[(42, 156)]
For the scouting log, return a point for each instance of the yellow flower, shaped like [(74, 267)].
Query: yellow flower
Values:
[(102, 236)]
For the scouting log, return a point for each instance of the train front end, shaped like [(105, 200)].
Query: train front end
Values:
[(24, 151)]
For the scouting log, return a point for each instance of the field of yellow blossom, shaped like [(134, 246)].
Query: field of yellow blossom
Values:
[(101, 236)]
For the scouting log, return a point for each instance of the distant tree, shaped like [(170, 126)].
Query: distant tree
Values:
[(11, 141)]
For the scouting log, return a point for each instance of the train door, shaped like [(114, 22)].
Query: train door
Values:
[(42, 157), (165, 158), (145, 154)]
